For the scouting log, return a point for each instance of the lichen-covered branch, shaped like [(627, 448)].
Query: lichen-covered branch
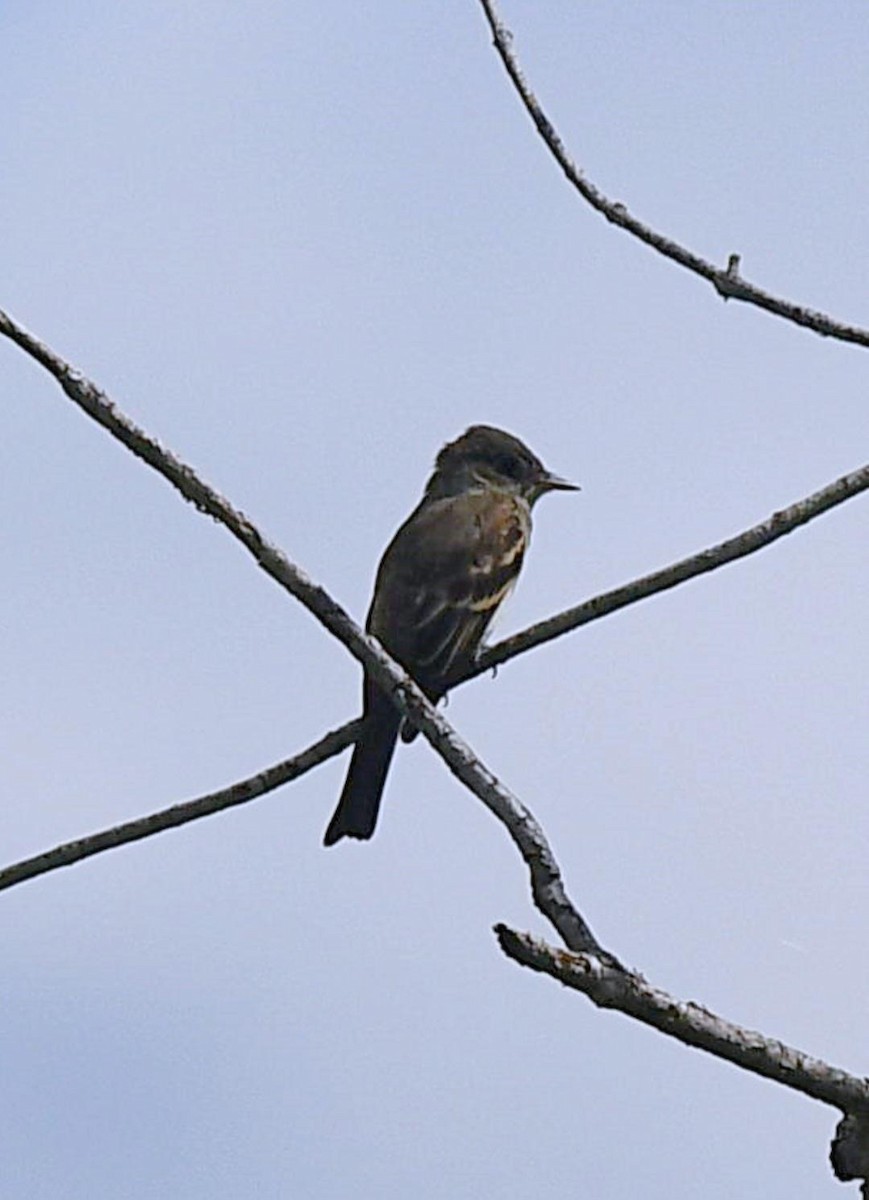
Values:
[(688, 1023)]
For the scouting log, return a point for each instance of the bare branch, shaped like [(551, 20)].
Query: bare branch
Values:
[(97, 405), (764, 534), (590, 968), (242, 792), (727, 281), (88, 397), (547, 885), (747, 542), (688, 1023)]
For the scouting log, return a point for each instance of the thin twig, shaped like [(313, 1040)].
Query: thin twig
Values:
[(242, 792), (727, 281), (750, 540), (689, 1023), (547, 885)]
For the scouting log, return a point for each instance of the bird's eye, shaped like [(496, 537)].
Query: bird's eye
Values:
[(509, 465)]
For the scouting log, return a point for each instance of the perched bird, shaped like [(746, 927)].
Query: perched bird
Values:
[(438, 586)]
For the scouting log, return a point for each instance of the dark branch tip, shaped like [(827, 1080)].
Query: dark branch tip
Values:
[(849, 1152)]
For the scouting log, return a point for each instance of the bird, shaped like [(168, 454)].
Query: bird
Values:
[(439, 584)]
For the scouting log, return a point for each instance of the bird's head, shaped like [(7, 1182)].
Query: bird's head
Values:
[(485, 456)]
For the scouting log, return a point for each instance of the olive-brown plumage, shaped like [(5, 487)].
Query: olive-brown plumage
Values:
[(438, 586)]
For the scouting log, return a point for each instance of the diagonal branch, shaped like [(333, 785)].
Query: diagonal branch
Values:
[(726, 280), (549, 893), (689, 1023), (547, 885), (763, 534), (98, 406), (242, 792), (747, 542)]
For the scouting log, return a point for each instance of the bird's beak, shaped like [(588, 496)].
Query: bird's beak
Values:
[(547, 482), (554, 483)]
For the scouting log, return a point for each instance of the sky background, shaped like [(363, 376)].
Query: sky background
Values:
[(304, 245)]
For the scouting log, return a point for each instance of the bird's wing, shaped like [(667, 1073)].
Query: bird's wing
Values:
[(443, 577)]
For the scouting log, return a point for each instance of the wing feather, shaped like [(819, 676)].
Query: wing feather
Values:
[(442, 579)]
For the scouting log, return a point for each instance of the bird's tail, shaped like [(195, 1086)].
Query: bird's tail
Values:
[(356, 814)]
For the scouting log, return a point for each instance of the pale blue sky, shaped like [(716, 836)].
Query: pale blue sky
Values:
[(304, 245)]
